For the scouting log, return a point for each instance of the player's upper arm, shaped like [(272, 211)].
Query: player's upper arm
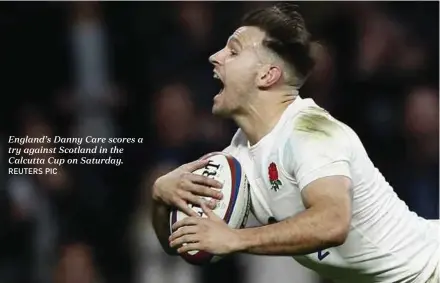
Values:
[(317, 156), (331, 198), (317, 147)]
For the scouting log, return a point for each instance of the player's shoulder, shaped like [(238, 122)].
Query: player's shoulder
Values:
[(315, 122)]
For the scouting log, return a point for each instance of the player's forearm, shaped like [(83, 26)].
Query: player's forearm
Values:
[(307, 232), (161, 226)]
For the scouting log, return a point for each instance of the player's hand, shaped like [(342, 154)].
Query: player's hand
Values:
[(181, 187), (210, 234)]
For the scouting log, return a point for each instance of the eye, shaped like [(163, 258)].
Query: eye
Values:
[(233, 52)]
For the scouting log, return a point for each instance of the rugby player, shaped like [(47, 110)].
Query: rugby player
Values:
[(314, 189)]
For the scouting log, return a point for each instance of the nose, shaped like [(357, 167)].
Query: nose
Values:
[(214, 59)]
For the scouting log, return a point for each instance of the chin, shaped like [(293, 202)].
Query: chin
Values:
[(220, 112)]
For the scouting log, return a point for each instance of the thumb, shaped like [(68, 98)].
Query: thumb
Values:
[(208, 212)]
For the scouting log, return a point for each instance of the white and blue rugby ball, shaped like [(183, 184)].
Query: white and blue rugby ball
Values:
[(233, 208)]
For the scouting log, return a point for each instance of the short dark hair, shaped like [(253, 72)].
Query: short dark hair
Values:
[(287, 35)]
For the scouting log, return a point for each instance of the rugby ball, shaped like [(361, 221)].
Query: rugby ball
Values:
[(233, 208)]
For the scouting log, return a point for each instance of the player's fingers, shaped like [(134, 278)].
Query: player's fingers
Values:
[(186, 222), (197, 164), (183, 206), (204, 191), (203, 180), (212, 204), (211, 215), (190, 198), (195, 200), (185, 239), (189, 247), (187, 230)]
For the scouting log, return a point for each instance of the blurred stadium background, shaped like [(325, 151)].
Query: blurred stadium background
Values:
[(139, 69)]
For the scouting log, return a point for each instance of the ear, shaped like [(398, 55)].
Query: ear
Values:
[(268, 75)]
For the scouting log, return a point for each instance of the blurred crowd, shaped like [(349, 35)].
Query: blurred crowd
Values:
[(139, 69)]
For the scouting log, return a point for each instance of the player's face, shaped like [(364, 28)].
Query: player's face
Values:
[(236, 66)]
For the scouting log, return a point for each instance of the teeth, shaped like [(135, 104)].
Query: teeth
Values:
[(216, 76)]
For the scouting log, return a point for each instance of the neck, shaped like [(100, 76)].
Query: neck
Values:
[(262, 115)]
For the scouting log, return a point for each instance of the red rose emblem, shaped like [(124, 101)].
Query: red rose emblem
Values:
[(273, 177), (273, 172)]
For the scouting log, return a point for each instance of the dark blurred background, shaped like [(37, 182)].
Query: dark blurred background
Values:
[(139, 69)]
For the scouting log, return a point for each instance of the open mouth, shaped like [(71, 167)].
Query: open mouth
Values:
[(219, 83)]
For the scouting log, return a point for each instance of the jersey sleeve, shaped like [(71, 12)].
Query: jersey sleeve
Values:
[(317, 147)]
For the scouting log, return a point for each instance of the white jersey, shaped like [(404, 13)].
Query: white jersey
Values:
[(386, 242)]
